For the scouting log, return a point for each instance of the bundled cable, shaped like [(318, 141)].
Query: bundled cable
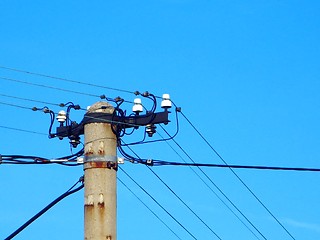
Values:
[(70, 160), (45, 209)]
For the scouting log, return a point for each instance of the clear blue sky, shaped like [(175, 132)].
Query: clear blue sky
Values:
[(246, 73)]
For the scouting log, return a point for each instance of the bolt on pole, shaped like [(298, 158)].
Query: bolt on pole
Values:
[(100, 177)]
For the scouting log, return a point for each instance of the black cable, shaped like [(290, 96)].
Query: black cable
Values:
[(48, 87), (211, 189), (29, 100), (165, 163), (179, 198), (64, 79), (73, 156), (50, 205), (157, 140), (218, 188), (238, 177), (70, 160), (184, 203), (157, 203), (167, 226), (23, 130), (15, 105)]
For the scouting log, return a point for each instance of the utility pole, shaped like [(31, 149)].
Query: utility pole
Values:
[(100, 154), (100, 177)]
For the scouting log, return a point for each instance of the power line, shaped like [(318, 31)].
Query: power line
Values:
[(157, 203), (167, 163), (15, 105), (185, 204), (48, 87), (88, 84), (65, 79), (50, 205), (22, 130), (144, 204), (70, 160), (238, 177), (211, 189), (29, 100), (72, 81), (179, 198), (217, 187)]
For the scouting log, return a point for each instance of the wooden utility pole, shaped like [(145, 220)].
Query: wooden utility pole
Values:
[(100, 177)]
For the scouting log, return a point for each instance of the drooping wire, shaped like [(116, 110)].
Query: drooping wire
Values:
[(146, 192), (64, 79), (184, 203), (238, 177), (52, 116), (45, 209), (177, 196), (162, 139), (44, 109), (15, 105), (70, 105), (49, 87), (144, 204), (217, 187), (211, 189), (23, 130), (29, 100), (70, 160), (299, 169), (119, 128)]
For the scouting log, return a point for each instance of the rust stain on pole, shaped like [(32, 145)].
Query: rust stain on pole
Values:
[(100, 178)]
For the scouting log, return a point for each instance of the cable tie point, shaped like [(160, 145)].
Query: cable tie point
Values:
[(80, 160), (149, 162), (81, 179), (120, 160), (146, 94), (46, 110), (118, 99)]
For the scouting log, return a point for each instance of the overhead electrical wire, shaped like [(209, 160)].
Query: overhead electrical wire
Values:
[(48, 87), (215, 194), (146, 192), (157, 140), (23, 130), (238, 177), (45, 209), (218, 188), (15, 105), (185, 204), (70, 160), (299, 169), (144, 204), (29, 100), (178, 197), (64, 79), (99, 86)]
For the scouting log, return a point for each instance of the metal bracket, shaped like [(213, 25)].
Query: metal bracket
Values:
[(125, 122), (105, 158)]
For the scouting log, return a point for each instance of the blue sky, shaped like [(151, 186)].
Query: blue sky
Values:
[(246, 74)]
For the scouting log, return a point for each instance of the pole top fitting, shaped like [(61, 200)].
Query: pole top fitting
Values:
[(102, 107)]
